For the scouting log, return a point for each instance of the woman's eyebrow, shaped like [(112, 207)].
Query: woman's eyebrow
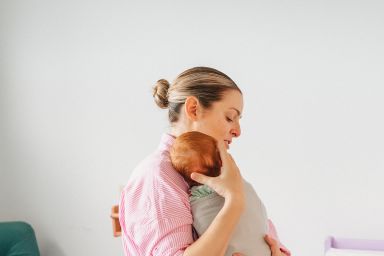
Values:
[(238, 112)]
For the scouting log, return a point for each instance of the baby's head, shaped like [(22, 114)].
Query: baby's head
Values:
[(195, 152)]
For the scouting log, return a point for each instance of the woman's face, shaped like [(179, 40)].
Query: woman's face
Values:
[(221, 121)]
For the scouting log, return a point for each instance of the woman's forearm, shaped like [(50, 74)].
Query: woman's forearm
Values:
[(216, 238), (230, 186)]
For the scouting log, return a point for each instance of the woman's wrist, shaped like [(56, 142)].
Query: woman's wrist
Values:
[(235, 202)]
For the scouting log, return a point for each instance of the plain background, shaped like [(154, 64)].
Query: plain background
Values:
[(77, 115)]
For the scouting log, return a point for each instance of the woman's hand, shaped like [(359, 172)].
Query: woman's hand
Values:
[(229, 184), (274, 246)]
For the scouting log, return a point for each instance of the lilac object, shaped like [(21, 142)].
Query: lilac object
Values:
[(353, 244)]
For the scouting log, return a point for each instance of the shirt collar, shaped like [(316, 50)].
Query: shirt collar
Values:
[(166, 141)]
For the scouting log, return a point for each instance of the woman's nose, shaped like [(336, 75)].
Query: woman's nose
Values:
[(236, 131)]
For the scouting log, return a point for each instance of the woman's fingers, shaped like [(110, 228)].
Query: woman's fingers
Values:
[(229, 184), (273, 245), (201, 178)]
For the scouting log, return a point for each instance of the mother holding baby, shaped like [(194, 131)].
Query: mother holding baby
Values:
[(155, 212)]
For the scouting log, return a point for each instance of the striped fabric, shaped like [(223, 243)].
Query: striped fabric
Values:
[(154, 207)]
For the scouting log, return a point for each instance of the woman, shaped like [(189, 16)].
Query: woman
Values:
[(155, 213)]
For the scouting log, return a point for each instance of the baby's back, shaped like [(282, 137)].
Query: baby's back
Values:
[(248, 237)]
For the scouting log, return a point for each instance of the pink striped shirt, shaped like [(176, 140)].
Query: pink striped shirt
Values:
[(155, 213)]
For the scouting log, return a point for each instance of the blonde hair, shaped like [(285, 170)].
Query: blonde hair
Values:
[(208, 85)]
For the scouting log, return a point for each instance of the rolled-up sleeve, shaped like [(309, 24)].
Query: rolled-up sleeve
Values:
[(174, 237), (154, 210)]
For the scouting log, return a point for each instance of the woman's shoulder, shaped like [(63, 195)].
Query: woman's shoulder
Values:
[(157, 169), (152, 164), (155, 184)]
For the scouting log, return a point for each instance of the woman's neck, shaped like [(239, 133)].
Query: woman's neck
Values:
[(177, 129)]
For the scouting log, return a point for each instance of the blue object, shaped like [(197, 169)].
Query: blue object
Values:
[(17, 239)]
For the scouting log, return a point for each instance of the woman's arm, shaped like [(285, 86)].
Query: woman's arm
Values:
[(230, 186), (217, 236)]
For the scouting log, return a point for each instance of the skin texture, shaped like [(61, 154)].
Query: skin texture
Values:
[(221, 121)]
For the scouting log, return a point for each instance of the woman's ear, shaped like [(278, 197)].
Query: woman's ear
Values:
[(191, 107)]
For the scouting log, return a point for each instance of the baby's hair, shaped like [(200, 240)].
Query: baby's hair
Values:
[(193, 149)]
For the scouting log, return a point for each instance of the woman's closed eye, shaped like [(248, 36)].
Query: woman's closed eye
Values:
[(229, 119)]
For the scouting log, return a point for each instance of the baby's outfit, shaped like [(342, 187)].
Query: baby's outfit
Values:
[(248, 237)]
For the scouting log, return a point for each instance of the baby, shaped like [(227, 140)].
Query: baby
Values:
[(198, 152)]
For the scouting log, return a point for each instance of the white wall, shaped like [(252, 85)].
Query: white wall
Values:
[(77, 113)]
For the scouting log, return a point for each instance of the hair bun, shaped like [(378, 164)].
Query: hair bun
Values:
[(160, 93)]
